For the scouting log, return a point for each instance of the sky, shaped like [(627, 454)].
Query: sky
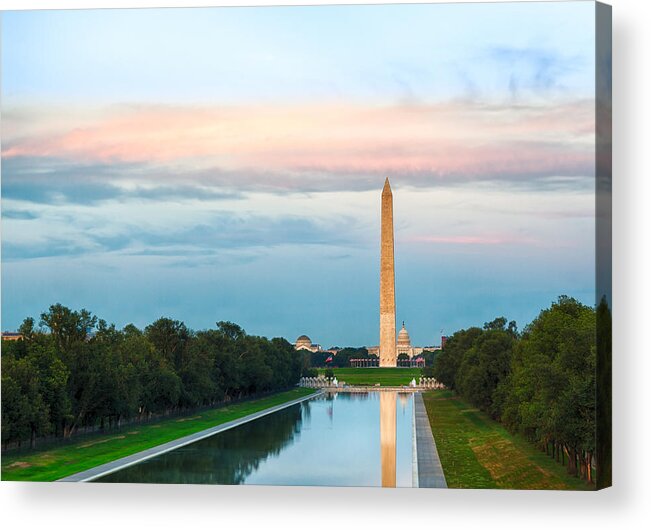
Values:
[(213, 164)]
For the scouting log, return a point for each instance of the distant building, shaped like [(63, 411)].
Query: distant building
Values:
[(403, 345), (444, 339), (11, 335), (332, 351), (305, 343)]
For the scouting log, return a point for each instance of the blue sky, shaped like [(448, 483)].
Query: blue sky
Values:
[(227, 55), (227, 164)]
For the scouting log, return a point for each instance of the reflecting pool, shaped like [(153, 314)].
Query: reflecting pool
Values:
[(334, 439)]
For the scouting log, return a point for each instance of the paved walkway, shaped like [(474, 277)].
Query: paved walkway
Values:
[(430, 472), (105, 469)]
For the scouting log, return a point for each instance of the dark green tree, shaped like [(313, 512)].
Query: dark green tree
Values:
[(25, 415), (448, 360), (169, 337), (484, 366), (551, 392)]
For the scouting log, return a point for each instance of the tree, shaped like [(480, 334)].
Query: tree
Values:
[(230, 330), (26, 329), (484, 366), (198, 387), (498, 324), (169, 337), (86, 372), (318, 358), (430, 358), (158, 385), (343, 357), (551, 393), (68, 327), (24, 411), (448, 360), (52, 375)]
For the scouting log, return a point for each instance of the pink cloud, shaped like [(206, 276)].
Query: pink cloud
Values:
[(444, 140), (471, 240)]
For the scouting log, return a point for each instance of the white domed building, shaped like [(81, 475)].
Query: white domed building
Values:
[(403, 344), (305, 343)]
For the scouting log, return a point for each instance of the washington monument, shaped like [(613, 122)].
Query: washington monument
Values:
[(387, 283)]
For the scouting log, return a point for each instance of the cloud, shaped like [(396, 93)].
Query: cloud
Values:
[(224, 231), (472, 240), (12, 251), (532, 70), (22, 215), (158, 150), (50, 180)]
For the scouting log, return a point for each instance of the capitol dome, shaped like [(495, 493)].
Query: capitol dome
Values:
[(403, 337)]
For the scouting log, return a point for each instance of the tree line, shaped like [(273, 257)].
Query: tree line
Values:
[(540, 382), (75, 370), (344, 355), (342, 359)]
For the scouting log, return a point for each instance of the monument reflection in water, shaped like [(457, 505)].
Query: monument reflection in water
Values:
[(388, 438), (336, 439)]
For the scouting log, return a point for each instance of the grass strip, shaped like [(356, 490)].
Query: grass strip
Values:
[(372, 376), (478, 452)]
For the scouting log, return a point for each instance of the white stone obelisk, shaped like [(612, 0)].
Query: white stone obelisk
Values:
[(387, 283)]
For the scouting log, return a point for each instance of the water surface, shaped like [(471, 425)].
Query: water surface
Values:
[(342, 439)]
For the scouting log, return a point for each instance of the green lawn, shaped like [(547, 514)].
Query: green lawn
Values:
[(477, 452), (91, 451), (371, 376)]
